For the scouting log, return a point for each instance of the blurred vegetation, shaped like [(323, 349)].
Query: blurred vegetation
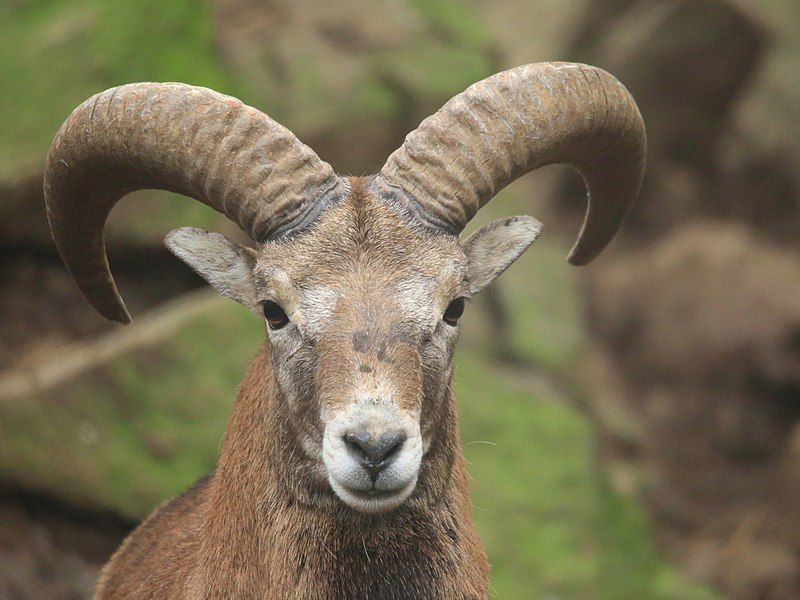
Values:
[(59, 53), (552, 524), (139, 428)]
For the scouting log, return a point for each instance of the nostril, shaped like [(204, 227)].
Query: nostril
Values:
[(357, 443), (392, 444), (374, 452)]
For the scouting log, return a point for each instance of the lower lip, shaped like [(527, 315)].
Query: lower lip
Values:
[(374, 494)]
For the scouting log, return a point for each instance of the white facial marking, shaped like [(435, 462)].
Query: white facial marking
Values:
[(282, 290), (422, 301), (315, 310)]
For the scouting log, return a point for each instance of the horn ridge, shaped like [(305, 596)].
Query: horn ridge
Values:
[(511, 123), (180, 138)]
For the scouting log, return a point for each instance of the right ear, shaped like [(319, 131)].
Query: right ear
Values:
[(226, 265), (493, 248)]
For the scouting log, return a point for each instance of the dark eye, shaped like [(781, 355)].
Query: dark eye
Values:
[(273, 313), (454, 311)]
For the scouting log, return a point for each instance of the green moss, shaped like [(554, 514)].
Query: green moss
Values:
[(373, 98), (455, 20), (539, 290), (56, 54), (629, 566), (433, 71), (139, 429), (551, 524)]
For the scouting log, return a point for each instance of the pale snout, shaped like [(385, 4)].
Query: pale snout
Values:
[(372, 454)]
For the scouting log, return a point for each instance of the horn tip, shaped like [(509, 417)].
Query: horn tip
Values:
[(578, 257), (118, 313)]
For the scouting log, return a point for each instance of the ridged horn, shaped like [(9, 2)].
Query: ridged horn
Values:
[(511, 123), (180, 138)]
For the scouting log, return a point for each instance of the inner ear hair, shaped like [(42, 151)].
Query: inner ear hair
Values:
[(224, 264), (493, 247)]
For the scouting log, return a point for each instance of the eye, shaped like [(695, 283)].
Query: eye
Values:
[(275, 316), (454, 311)]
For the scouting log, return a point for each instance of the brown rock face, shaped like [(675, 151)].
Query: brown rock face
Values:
[(701, 333), (695, 314)]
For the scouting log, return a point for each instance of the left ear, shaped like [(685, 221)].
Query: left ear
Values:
[(493, 248)]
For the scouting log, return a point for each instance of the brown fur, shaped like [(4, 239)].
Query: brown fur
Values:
[(266, 524), (241, 533)]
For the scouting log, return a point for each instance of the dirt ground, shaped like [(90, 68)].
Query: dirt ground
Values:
[(50, 550)]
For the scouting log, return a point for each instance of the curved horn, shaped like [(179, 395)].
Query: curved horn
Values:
[(511, 123), (180, 138)]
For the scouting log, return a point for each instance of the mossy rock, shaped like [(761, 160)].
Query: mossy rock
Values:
[(134, 416), (59, 53)]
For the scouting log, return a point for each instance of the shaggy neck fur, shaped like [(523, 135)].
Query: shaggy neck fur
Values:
[(270, 532)]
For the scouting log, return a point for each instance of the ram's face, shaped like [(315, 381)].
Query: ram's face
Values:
[(361, 313), (355, 312)]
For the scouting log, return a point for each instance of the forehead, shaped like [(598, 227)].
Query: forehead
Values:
[(364, 246)]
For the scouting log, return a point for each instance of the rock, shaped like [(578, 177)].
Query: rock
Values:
[(685, 61), (48, 550), (124, 420), (699, 385)]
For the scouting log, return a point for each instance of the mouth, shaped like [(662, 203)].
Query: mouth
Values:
[(375, 494), (373, 500)]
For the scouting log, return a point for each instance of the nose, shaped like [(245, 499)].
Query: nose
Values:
[(374, 452)]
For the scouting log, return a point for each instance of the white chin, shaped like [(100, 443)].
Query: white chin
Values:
[(372, 502)]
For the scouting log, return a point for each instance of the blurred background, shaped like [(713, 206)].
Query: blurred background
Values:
[(632, 428)]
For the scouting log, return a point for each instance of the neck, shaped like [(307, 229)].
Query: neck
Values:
[(271, 527)]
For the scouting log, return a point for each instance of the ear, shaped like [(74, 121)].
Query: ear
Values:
[(493, 248), (227, 266)]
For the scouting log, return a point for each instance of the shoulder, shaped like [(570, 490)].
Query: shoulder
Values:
[(166, 537)]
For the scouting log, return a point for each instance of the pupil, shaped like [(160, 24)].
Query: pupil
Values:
[(454, 311), (275, 315)]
